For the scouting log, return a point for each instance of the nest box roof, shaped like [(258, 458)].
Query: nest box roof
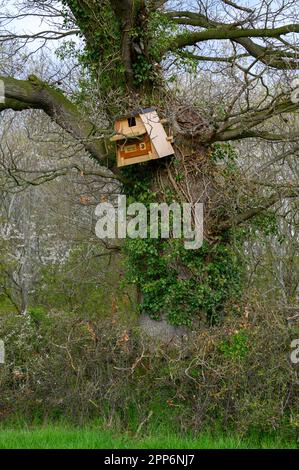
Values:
[(135, 112)]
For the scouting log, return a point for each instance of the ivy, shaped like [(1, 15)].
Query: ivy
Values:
[(224, 151), (183, 285), (142, 70), (160, 31), (101, 55)]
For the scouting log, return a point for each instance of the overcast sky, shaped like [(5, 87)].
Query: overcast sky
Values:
[(28, 24)]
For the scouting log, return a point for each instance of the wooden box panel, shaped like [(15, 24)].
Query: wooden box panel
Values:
[(135, 148), (122, 126), (157, 134)]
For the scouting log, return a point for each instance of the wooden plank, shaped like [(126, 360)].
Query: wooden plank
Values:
[(121, 161), (122, 127), (128, 135), (157, 134), (135, 148), (130, 161)]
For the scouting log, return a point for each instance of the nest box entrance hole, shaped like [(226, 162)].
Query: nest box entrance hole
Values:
[(132, 121)]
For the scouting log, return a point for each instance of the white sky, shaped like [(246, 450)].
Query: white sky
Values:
[(31, 24)]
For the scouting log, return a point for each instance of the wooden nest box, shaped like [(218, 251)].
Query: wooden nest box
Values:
[(141, 137)]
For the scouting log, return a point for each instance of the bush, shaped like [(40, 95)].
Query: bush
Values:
[(237, 376)]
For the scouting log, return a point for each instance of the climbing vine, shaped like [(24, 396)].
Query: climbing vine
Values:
[(185, 286), (212, 277), (101, 54), (188, 287)]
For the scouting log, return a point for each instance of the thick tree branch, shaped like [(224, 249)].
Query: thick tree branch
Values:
[(215, 30), (264, 135), (35, 94), (274, 58), (239, 128), (190, 38), (229, 60)]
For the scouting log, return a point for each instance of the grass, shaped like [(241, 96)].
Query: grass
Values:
[(99, 437)]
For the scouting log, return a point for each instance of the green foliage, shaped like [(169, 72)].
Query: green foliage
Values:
[(66, 50), (96, 435), (142, 70), (236, 346), (267, 223), (185, 285), (160, 31), (155, 33), (225, 152), (65, 366), (101, 55), (37, 314)]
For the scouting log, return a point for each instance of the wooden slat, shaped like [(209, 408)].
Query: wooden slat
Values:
[(157, 134), (128, 135), (130, 161)]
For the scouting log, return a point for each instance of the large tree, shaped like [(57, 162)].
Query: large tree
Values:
[(139, 53)]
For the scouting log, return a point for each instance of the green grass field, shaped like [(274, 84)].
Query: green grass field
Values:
[(67, 437)]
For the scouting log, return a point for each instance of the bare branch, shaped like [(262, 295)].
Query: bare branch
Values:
[(253, 212)]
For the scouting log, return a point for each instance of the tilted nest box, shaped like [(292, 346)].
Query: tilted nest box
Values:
[(140, 137)]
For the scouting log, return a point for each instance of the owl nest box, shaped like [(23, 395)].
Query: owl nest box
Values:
[(141, 137)]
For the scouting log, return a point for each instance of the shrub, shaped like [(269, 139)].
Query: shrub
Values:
[(237, 376)]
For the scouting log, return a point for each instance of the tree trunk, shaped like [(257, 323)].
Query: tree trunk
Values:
[(181, 289)]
